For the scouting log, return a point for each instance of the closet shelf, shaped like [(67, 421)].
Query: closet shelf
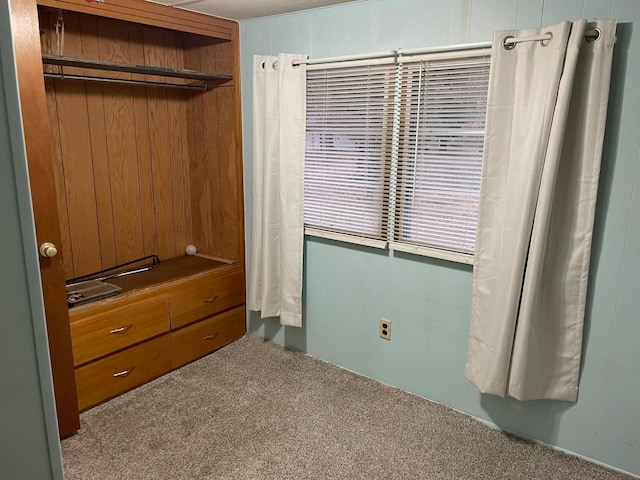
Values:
[(205, 78)]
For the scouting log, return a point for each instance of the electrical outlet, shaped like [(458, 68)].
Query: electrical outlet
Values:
[(385, 329)]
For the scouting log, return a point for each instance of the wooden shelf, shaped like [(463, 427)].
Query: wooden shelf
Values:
[(63, 61), (148, 13)]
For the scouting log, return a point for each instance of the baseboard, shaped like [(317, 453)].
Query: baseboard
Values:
[(540, 442)]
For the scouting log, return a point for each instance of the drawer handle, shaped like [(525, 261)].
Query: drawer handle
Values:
[(124, 373), (210, 299), (210, 337), (122, 329)]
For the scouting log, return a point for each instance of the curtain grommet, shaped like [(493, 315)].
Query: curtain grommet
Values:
[(593, 35), (547, 41), (508, 43)]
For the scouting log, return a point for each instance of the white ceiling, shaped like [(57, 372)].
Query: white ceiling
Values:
[(247, 9)]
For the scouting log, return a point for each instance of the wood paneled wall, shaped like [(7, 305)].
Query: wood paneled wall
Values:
[(142, 170)]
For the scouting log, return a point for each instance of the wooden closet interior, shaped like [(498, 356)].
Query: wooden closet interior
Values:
[(143, 107), (140, 169)]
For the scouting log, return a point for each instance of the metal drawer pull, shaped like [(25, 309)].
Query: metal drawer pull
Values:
[(122, 329), (210, 337), (124, 373), (210, 299)]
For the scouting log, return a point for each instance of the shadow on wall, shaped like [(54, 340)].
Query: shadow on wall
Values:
[(269, 328), (539, 418), (609, 155)]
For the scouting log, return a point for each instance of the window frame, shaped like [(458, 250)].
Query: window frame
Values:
[(424, 95), (389, 202)]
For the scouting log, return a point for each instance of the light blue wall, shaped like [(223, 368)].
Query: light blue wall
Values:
[(347, 289), (29, 446)]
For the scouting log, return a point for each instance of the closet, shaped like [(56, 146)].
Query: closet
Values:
[(138, 156)]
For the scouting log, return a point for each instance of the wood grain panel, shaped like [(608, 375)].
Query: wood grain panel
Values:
[(75, 139), (78, 176), (202, 338), (201, 233), (161, 176), (211, 152), (55, 42), (70, 38), (141, 112), (121, 145), (230, 187), (178, 149), (104, 379), (95, 335), (147, 13), (194, 149), (47, 20), (58, 175), (238, 147), (206, 295), (225, 58), (99, 153), (159, 134)]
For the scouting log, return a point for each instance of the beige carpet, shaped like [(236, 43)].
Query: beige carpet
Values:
[(253, 410)]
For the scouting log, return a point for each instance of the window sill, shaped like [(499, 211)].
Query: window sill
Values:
[(458, 257), (344, 237)]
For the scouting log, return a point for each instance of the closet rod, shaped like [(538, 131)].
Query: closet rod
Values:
[(64, 76), (125, 67)]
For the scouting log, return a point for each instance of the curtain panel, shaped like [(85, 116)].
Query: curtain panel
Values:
[(277, 228), (546, 115)]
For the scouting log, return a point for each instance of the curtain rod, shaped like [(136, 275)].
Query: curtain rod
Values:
[(592, 34), (395, 53)]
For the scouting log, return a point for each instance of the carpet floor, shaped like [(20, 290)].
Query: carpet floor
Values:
[(254, 410)]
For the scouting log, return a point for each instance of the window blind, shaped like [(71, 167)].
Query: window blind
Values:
[(348, 148), (443, 107)]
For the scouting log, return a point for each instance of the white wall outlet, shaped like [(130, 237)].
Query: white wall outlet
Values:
[(385, 329)]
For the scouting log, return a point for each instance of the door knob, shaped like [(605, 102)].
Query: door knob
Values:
[(48, 250)]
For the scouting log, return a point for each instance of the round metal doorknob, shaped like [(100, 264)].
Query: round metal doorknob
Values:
[(48, 250)]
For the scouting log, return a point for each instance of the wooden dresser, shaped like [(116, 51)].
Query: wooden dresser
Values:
[(183, 309)]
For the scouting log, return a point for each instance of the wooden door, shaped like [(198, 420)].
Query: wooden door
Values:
[(26, 38)]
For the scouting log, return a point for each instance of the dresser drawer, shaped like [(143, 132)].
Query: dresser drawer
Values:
[(98, 333), (205, 296), (199, 339), (117, 373)]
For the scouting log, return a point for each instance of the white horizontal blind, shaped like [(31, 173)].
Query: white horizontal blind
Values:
[(443, 108), (348, 148)]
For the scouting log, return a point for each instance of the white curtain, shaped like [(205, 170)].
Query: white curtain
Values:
[(277, 230), (545, 126)]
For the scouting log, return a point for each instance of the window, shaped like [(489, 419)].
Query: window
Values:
[(444, 104), (348, 149), (394, 152)]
